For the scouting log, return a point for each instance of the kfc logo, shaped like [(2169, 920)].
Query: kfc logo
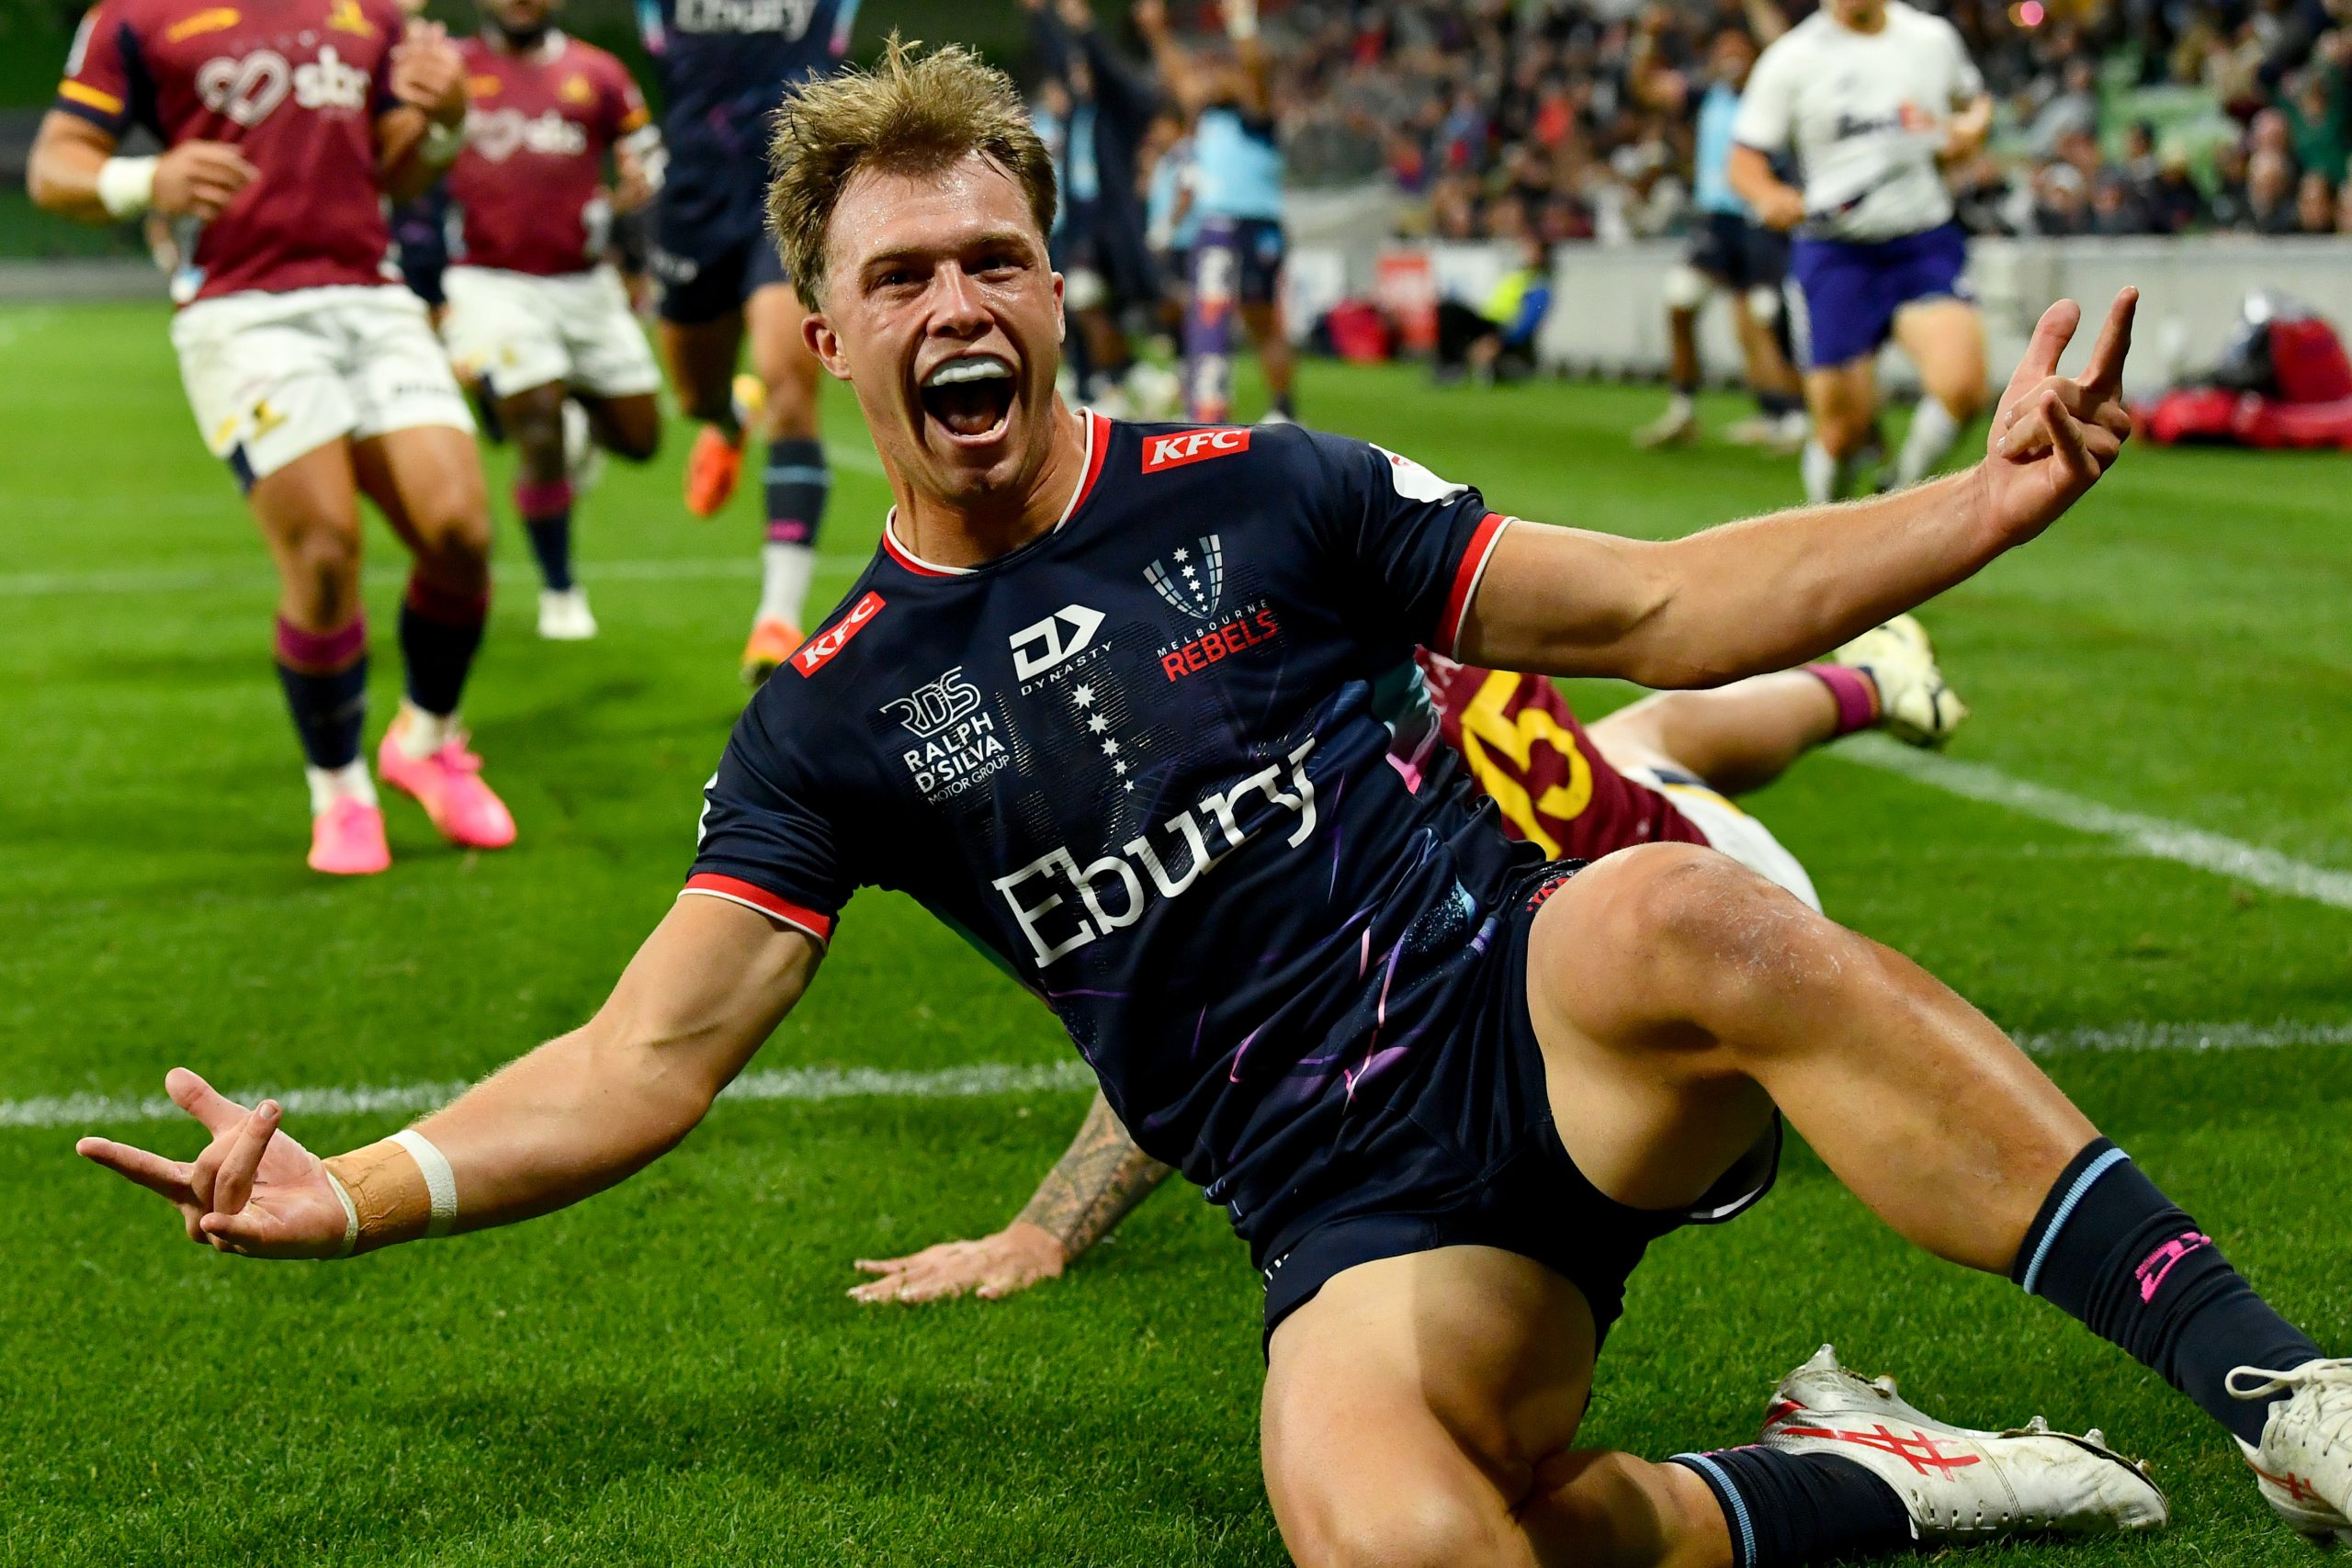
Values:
[(1163, 452), (818, 651)]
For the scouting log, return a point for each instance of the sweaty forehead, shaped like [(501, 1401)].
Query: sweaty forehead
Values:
[(883, 212)]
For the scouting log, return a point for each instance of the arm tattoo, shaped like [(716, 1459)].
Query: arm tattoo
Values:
[(1094, 1185)]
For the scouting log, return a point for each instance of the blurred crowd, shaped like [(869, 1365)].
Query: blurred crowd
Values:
[(1511, 118)]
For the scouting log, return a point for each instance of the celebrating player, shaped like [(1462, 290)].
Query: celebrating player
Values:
[(723, 65), (1870, 94), (1662, 770), (1730, 252), (311, 372), (533, 310), (1105, 701)]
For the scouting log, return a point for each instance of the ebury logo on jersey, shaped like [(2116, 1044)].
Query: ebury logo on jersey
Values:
[(1053, 641), (1163, 452), (1053, 936), (789, 19), (818, 651)]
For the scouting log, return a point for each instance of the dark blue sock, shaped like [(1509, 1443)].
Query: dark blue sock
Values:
[(2116, 1254), (547, 518), (1785, 1509), (440, 631), (797, 483), (325, 678), (1778, 405)]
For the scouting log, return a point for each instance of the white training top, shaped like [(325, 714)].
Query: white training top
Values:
[(1866, 114)]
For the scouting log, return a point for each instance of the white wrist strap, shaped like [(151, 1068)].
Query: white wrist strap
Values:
[(1242, 21), (350, 1215), (440, 1181), (127, 185)]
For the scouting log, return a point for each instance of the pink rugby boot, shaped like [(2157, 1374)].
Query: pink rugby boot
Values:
[(448, 784), (347, 840)]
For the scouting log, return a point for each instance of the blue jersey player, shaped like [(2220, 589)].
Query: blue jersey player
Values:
[(1729, 251), (1110, 702), (724, 66)]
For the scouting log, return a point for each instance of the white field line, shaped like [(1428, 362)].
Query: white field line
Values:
[(997, 1078), (686, 569), (784, 1083), (2152, 837)]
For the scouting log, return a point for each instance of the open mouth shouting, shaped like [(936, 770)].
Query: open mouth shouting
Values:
[(971, 398)]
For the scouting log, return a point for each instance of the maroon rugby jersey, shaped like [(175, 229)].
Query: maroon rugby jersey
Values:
[(537, 128), (1530, 756), (297, 85)]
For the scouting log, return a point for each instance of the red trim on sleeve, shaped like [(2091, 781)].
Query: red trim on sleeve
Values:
[(1102, 450), (1465, 580), (737, 890)]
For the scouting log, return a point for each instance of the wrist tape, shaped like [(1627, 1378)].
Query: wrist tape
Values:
[(127, 185)]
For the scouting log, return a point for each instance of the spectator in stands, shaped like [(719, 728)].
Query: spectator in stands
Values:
[(2231, 206), (1497, 342), (2270, 193), (2315, 205), (2171, 200)]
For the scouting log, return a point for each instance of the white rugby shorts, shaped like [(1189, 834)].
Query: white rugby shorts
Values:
[(1731, 831), (271, 376), (519, 330)]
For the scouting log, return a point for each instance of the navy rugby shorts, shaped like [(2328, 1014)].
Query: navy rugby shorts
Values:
[(1462, 1152)]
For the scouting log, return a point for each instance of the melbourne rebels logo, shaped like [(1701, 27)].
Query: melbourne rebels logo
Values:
[(1196, 582)]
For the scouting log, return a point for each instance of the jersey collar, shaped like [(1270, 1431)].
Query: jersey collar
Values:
[(1098, 445)]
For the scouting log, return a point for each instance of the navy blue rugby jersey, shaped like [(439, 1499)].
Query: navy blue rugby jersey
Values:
[(724, 66), (1154, 762)]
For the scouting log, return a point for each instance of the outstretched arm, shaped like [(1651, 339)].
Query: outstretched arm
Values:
[(1090, 1188), (1769, 593), (569, 1120)]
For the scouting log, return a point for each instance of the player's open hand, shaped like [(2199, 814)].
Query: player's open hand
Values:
[(2054, 436), (254, 1190), (429, 73), (1005, 1263), (196, 179)]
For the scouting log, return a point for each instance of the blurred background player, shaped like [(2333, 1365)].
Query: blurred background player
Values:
[(313, 373), (1096, 113), (1873, 96), (1729, 251), (1661, 771), (1237, 192), (536, 314), (724, 67)]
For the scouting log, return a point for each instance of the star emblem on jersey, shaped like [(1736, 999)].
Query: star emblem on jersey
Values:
[(1194, 588)]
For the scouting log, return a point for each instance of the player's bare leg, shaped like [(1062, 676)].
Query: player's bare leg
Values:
[(1759, 317), (1678, 998), (1945, 338), (428, 483), (797, 480), (308, 515), (1276, 357), (701, 356), (1687, 291), (546, 489), (1421, 1411), (1843, 401), (1734, 740)]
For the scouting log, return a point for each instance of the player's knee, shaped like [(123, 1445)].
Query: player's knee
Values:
[(1686, 289), (632, 442), (1417, 1528), (323, 566), (1842, 432), (1725, 933)]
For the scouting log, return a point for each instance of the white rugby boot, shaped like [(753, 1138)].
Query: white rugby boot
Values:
[(1915, 705), (2304, 1464), (564, 616), (1961, 1486)]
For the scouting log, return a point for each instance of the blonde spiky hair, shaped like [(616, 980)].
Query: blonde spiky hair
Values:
[(912, 114)]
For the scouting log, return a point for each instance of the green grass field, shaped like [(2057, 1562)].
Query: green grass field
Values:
[(672, 1373)]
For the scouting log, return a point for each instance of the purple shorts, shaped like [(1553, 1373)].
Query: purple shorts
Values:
[(1852, 291)]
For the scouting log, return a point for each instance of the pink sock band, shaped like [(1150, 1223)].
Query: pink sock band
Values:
[(534, 500), (1857, 696), (320, 653), (450, 606), (790, 531)]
